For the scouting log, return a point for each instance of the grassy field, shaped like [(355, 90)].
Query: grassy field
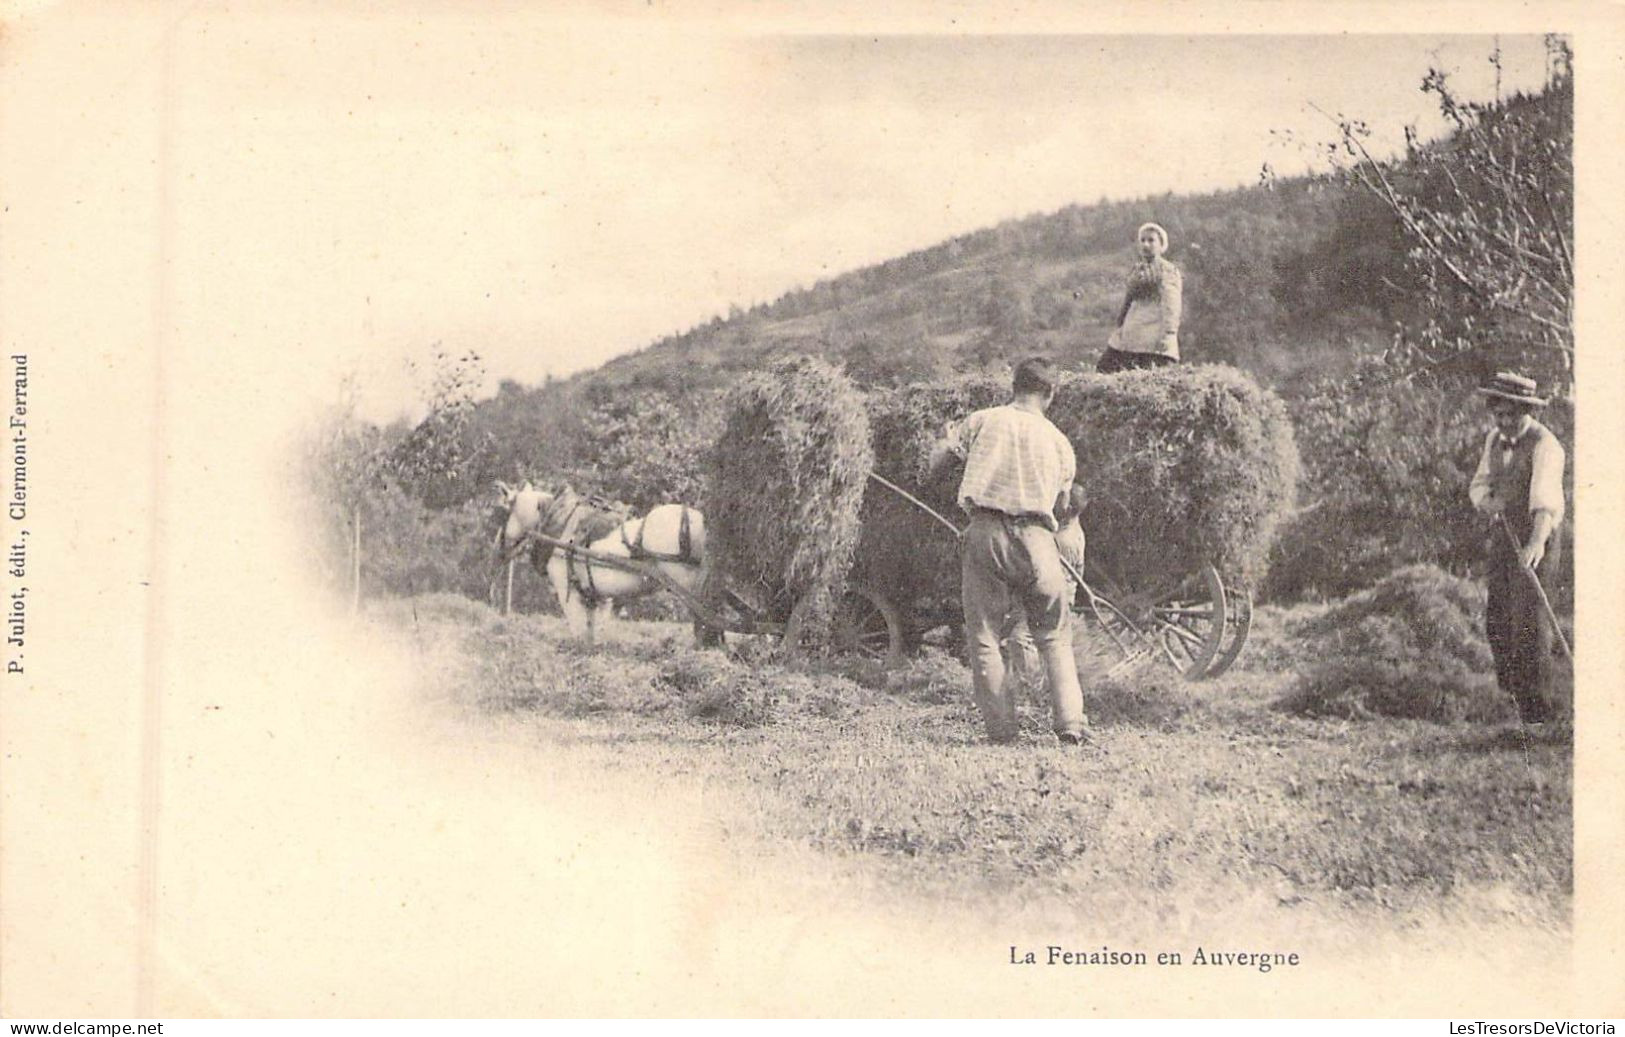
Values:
[(1200, 805)]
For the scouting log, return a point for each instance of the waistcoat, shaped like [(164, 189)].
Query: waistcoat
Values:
[(1510, 478)]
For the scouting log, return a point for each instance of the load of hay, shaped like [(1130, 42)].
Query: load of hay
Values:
[(1411, 646), (1183, 466), (784, 485)]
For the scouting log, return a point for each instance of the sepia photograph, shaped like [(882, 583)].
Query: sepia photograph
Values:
[(645, 509)]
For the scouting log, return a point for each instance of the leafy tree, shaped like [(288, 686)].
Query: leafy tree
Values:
[(363, 477), (1230, 307), (1386, 467), (1007, 308), (1488, 214), (646, 447), (439, 460)]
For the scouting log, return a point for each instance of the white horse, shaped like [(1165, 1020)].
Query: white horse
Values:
[(670, 538)]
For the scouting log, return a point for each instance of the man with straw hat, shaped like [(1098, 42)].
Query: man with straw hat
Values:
[(1519, 485)]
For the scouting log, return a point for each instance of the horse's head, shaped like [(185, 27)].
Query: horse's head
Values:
[(522, 509)]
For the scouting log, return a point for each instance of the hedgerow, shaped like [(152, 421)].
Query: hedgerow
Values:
[(1387, 463)]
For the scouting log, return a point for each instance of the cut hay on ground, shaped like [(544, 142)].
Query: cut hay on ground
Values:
[(1412, 647)]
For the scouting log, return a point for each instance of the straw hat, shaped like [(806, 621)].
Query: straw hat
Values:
[(1515, 387)]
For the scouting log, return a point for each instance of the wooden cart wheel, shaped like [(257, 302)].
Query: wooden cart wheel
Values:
[(1188, 623), (1131, 642), (1183, 619), (1239, 611), (869, 625)]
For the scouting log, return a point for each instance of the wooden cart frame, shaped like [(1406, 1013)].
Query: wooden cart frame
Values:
[(1192, 623)]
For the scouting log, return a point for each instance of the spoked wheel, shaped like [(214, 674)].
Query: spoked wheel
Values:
[(1182, 619), (1189, 623), (1239, 621), (869, 625), (1131, 642)]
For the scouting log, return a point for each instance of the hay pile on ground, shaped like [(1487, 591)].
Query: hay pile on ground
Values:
[(1183, 466), (1412, 647), (785, 481)]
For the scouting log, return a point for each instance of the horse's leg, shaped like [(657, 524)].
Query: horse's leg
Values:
[(558, 574), (600, 613)]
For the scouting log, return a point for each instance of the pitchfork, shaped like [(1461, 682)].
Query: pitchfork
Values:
[(1098, 604)]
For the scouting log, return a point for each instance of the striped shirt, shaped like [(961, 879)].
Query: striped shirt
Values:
[(1016, 462)]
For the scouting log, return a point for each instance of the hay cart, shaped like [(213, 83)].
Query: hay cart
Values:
[(1192, 623)]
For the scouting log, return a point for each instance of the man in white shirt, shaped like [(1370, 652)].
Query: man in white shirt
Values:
[(1016, 488), (1519, 484)]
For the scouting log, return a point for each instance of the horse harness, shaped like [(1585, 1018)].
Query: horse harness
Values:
[(685, 543), (571, 517), (581, 576)]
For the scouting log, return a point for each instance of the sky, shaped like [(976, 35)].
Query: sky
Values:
[(552, 190)]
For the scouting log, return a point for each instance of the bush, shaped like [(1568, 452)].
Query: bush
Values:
[(1412, 647), (1387, 465), (1386, 469), (785, 482), (1183, 466), (407, 548)]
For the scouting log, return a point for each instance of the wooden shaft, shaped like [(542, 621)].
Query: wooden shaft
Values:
[(929, 510), (1540, 591)]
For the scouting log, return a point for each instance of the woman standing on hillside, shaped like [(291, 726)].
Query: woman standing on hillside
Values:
[(1147, 333)]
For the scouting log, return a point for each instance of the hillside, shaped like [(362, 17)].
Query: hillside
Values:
[(1284, 280), (1290, 280), (1052, 283)]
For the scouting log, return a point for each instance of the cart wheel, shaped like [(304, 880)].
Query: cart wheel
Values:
[(869, 625), (1239, 616), (1131, 642), (1189, 623)]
